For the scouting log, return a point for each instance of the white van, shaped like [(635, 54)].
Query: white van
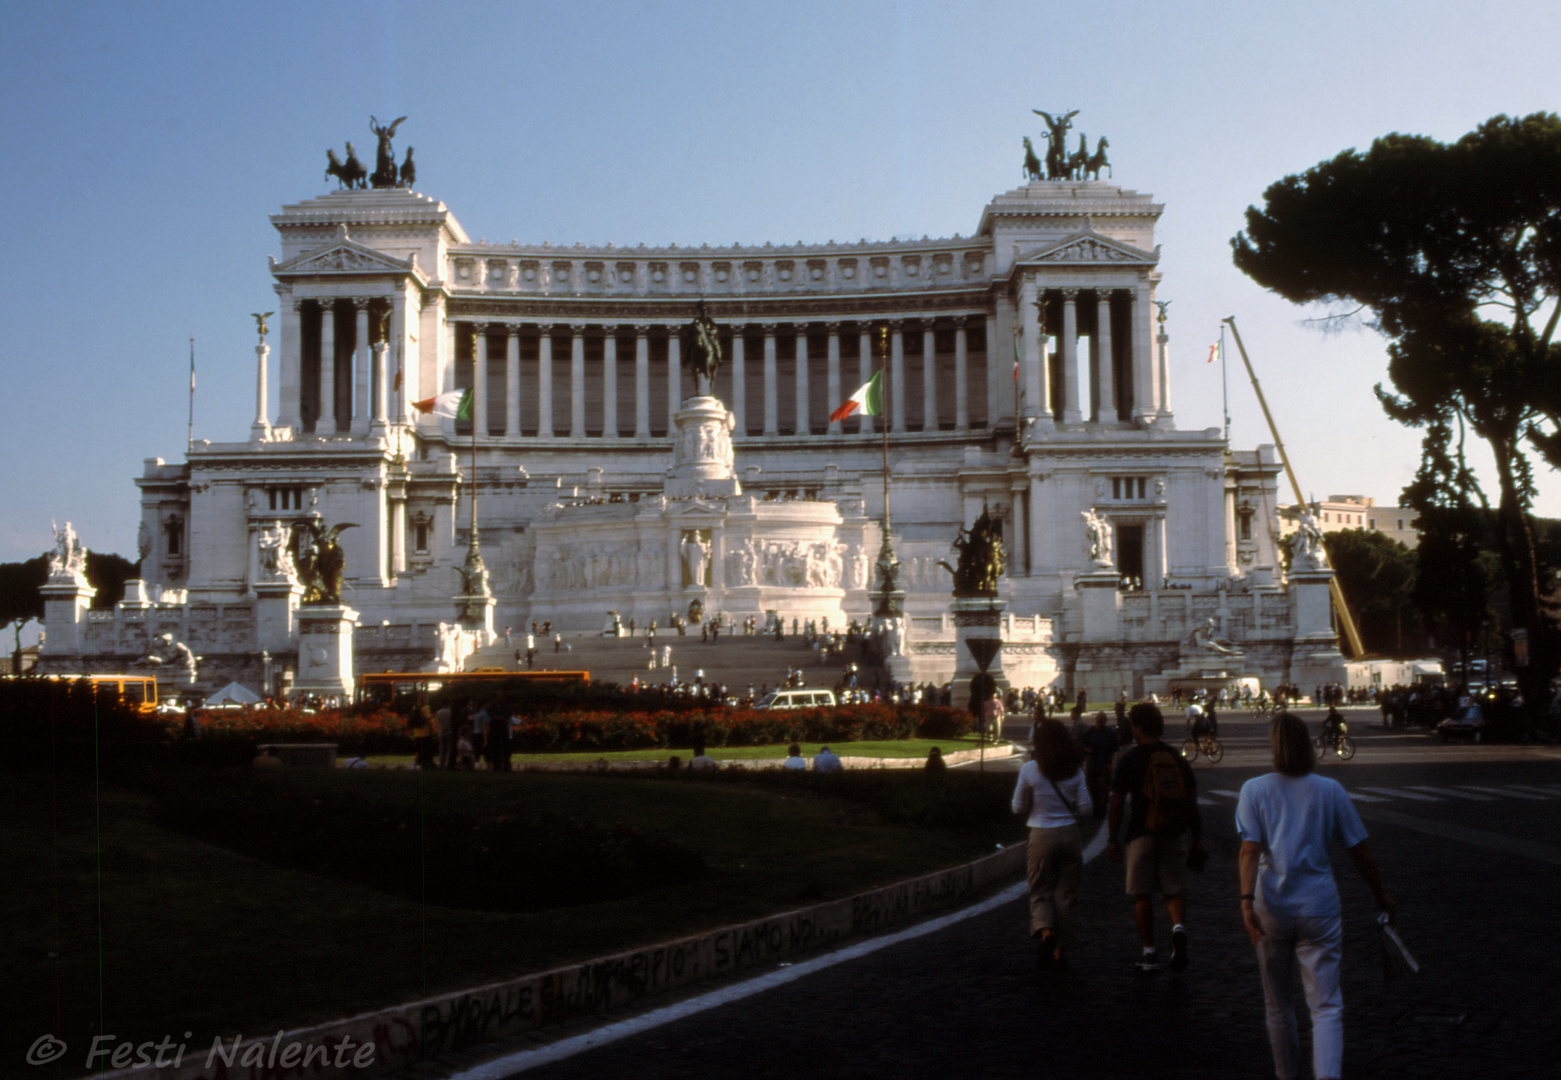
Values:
[(797, 699)]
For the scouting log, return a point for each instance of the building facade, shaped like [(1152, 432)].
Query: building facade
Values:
[(1026, 374)]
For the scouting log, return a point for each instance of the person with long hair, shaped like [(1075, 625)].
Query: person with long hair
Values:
[(1289, 900), (1053, 793)]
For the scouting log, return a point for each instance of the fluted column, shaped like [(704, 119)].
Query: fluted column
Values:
[(289, 361), (832, 375), (482, 353), (771, 383), (1106, 369), (961, 377), (261, 427), (1031, 315), (674, 379), (610, 383), (512, 378), (804, 421), (641, 381), (864, 366), (545, 381), (576, 381), (360, 368), (381, 386), (929, 376), (739, 381), (1070, 356), (897, 374), (1155, 398), (994, 372), (326, 425)]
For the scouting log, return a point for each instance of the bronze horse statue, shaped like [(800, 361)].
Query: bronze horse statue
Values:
[(350, 174), (1032, 164), (1079, 160), (1097, 161)]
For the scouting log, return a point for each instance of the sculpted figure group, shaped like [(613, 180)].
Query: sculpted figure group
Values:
[(352, 175), (980, 561), (1060, 165)]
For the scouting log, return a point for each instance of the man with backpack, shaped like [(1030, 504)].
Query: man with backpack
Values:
[(1155, 786)]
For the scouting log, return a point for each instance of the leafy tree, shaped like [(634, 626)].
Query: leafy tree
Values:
[(20, 600), (108, 574), (1377, 573), (1455, 252)]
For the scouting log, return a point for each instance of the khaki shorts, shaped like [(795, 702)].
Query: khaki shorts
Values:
[(1156, 864)]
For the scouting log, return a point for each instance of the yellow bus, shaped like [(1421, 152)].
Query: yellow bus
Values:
[(138, 691)]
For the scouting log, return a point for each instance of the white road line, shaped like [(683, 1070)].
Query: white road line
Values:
[(1548, 793), (1454, 794), (1504, 791), (1208, 802), (1395, 793), (1227, 794), (510, 1064), (1358, 797)]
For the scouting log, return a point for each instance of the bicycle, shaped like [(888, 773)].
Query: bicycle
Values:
[(1338, 742), (1208, 745)]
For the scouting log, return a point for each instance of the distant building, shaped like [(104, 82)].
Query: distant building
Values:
[(1340, 512)]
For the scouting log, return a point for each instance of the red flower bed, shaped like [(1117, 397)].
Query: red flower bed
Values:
[(385, 731)]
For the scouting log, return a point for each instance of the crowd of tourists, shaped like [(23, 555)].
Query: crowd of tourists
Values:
[(1286, 820)]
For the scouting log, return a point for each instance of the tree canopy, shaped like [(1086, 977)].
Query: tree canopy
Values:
[(1454, 251)]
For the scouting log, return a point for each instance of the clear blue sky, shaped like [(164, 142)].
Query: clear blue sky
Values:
[(147, 143)]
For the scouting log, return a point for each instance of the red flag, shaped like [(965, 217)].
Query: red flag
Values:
[(1214, 352)]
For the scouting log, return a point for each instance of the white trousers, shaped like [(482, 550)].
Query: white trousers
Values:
[(1313, 945)]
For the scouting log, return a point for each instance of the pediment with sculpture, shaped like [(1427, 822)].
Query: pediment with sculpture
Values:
[(1087, 248)]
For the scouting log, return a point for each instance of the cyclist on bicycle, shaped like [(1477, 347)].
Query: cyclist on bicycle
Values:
[(1197, 721), (1333, 725)]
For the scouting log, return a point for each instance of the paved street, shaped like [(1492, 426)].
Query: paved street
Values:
[(1466, 839)]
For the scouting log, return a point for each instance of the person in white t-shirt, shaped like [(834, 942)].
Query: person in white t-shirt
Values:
[(794, 758), (1052, 793), (1289, 901)]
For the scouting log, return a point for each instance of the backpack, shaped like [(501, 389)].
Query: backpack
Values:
[(1170, 804)]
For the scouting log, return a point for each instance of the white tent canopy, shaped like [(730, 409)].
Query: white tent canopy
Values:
[(234, 694)]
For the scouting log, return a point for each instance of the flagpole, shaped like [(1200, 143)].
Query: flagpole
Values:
[(190, 440), (883, 374)]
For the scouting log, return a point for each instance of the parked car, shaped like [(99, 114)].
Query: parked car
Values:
[(1467, 723), (797, 699)]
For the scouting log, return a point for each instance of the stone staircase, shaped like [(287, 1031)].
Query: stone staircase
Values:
[(736, 660)]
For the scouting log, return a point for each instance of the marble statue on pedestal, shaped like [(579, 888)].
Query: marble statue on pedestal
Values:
[(1098, 539), (276, 559), (69, 557), (168, 653), (1306, 546), (695, 552)]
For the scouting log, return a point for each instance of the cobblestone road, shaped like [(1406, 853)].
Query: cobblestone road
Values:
[(965, 1001)]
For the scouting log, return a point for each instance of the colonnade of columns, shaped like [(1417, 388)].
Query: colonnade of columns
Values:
[(334, 383), (1120, 380), (334, 377), (787, 354)]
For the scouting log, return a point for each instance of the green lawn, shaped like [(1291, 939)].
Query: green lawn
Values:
[(117, 922)]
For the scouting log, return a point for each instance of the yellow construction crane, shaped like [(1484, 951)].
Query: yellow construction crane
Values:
[(1340, 608)]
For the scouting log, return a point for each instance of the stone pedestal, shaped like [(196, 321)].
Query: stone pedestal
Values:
[(276, 615), (477, 615), (702, 451), (1101, 593), (1315, 656), (976, 617), (66, 599), (325, 651)]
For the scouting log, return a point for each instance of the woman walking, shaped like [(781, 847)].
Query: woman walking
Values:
[(1289, 902), (1052, 791)]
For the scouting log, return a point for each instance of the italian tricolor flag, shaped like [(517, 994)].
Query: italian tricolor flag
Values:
[(457, 404), (868, 400)]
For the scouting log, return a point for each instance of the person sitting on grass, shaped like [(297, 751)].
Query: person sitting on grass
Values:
[(701, 760), (794, 758)]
